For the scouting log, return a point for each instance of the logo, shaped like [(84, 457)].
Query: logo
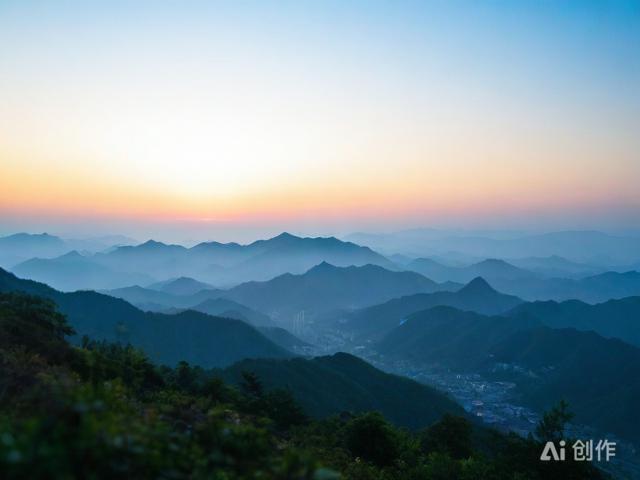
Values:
[(583, 450), (550, 453)]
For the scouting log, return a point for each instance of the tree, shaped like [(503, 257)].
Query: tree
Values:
[(251, 385), (451, 435), (551, 427), (372, 438)]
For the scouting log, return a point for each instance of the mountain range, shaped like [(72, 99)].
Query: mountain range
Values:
[(218, 264), (590, 247), (493, 270), (20, 247), (326, 288), (375, 321), (180, 286), (73, 271), (534, 286), (343, 383), (600, 378), (195, 337), (449, 338), (618, 318)]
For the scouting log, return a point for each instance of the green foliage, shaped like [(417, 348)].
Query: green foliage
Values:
[(105, 411), (551, 427), (372, 438), (451, 436)]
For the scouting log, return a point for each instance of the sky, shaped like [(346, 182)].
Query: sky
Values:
[(239, 119)]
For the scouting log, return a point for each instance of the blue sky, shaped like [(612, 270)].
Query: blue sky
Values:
[(320, 114)]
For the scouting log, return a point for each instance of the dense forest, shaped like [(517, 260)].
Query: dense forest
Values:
[(101, 410)]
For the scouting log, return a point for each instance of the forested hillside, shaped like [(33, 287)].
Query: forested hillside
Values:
[(105, 411)]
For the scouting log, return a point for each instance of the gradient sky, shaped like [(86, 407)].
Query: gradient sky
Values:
[(319, 116)]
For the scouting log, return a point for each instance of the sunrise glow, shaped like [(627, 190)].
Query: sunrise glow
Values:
[(292, 112)]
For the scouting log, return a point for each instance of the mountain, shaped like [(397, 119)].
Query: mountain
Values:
[(290, 254), (327, 287), (73, 271), (534, 286), (156, 300), (333, 384), (66, 405), (204, 301), (195, 268), (592, 289), (192, 336), (198, 338), (226, 264), (589, 247), (494, 270), (20, 247), (23, 246), (181, 286), (614, 318), (477, 296), (449, 338), (556, 266), (612, 284), (600, 378), (285, 339), (224, 307)]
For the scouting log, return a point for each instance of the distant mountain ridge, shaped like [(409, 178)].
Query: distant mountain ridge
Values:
[(20, 247), (321, 289), (578, 246), (477, 296), (491, 269), (619, 318), (218, 264), (192, 336), (327, 287), (181, 286), (534, 286), (73, 271), (23, 246)]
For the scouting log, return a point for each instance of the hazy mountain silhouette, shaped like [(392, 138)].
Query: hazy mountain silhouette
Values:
[(192, 336), (212, 262), (556, 266), (600, 378), (158, 301), (205, 301), (290, 254), (330, 385), (224, 307), (181, 286), (23, 246), (73, 271), (595, 288), (493, 270), (614, 318), (477, 296), (327, 287), (532, 286), (449, 337), (579, 246), (227, 264), (284, 338), (20, 247)]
